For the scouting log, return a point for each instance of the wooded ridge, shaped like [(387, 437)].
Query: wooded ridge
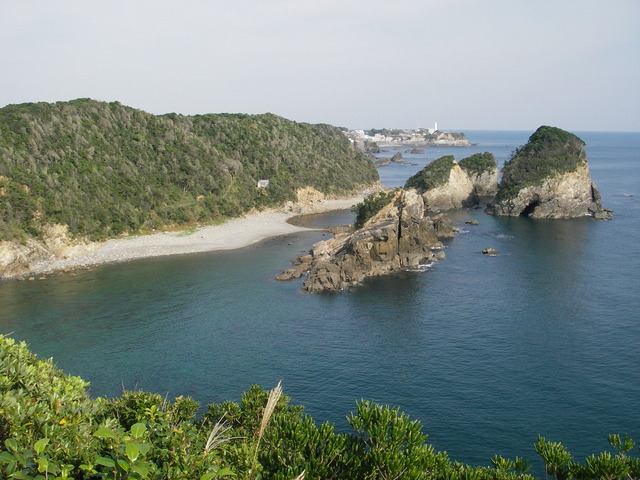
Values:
[(105, 169)]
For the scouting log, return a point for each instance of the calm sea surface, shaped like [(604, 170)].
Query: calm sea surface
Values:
[(486, 352)]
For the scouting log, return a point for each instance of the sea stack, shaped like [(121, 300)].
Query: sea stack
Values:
[(548, 177), (398, 237), (445, 184)]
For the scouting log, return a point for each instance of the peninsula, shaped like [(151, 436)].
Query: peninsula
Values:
[(371, 141)]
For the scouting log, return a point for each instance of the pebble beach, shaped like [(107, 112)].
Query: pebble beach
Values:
[(235, 233)]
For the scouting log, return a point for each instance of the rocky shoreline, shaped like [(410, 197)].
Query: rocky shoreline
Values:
[(398, 237)]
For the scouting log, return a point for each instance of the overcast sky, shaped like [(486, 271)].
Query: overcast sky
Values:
[(467, 64)]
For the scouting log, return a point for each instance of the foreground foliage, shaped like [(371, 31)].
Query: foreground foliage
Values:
[(105, 169), (51, 429)]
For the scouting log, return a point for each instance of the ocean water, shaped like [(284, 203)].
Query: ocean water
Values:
[(487, 352)]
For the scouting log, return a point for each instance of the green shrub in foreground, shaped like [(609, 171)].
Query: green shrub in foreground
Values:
[(51, 429)]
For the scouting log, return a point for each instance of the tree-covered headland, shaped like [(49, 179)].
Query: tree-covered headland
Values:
[(51, 429), (105, 169), (550, 151)]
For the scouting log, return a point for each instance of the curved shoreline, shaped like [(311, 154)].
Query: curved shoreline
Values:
[(233, 234)]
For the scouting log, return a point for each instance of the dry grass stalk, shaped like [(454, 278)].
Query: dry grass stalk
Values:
[(301, 476), (217, 436), (272, 401)]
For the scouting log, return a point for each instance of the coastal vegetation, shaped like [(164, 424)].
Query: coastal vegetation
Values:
[(434, 174), (51, 429), (105, 169), (478, 163), (371, 205), (550, 151)]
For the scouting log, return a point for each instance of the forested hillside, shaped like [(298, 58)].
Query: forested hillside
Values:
[(105, 169)]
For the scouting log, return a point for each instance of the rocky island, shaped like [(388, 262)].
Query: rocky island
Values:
[(548, 178), (445, 184), (398, 237)]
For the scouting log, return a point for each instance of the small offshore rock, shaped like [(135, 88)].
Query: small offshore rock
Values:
[(490, 252), (471, 222), (397, 158)]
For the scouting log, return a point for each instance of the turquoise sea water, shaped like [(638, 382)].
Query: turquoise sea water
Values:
[(486, 352)]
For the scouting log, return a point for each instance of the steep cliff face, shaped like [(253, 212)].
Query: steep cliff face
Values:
[(19, 259), (458, 192), (399, 237), (548, 178), (482, 170), (445, 184), (485, 183), (567, 195)]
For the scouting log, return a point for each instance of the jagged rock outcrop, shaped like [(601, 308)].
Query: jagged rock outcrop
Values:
[(397, 158), (482, 170), (548, 178), (457, 192), (399, 237), (20, 259), (446, 185)]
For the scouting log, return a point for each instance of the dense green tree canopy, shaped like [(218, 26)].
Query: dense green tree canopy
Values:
[(550, 151), (479, 163), (104, 168), (434, 174)]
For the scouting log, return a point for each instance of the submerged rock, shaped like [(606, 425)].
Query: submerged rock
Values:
[(548, 178), (398, 237)]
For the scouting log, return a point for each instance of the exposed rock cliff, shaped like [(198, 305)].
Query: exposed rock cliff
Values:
[(482, 170), (399, 237), (548, 178), (458, 192), (19, 259), (445, 185)]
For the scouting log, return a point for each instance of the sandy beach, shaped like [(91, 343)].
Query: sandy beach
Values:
[(235, 233)]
